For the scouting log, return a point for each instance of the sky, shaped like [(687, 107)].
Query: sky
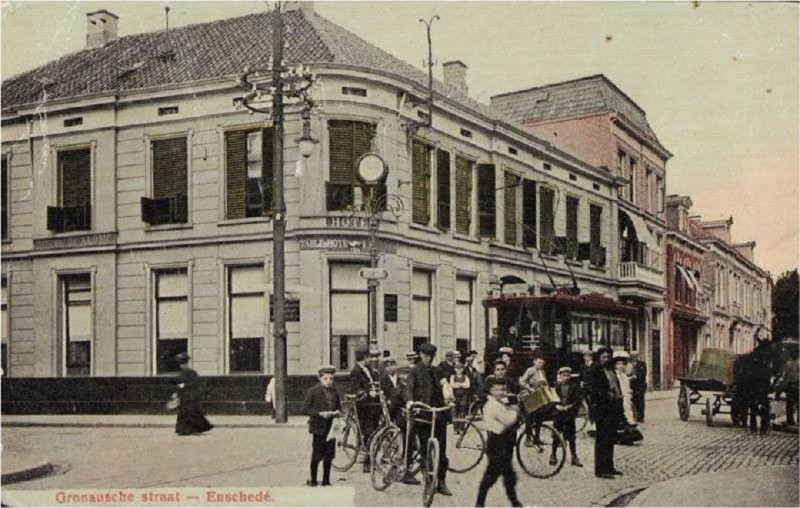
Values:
[(719, 81)]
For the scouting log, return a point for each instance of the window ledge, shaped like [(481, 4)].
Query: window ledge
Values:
[(67, 234), (550, 257), (246, 220), (167, 227), (575, 262), (6, 241), (428, 229), (508, 246), (596, 268), (459, 236)]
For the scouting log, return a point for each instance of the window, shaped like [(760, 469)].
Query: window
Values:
[(73, 122), (632, 184), (4, 325), (247, 307), (5, 181), (349, 313), (74, 211), (169, 110), (528, 213), (463, 326), (463, 196), (597, 254), (648, 203), (422, 291), (77, 323), (443, 189), (511, 189), (512, 150), (421, 182), (571, 247), (171, 318), (487, 217), (349, 140), (547, 220), (466, 133), (170, 202), (351, 90), (249, 162), (660, 190)]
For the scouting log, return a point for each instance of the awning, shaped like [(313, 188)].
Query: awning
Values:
[(689, 280), (642, 232), (696, 284)]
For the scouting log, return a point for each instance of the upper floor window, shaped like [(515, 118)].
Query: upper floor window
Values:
[(510, 192), (547, 230), (421, 182), (528, 213), (597, 253), (169, 203), (571, 242), (464, 177), (249, 163), (5, 181), (632, 184), (349, 140), (443, 190), (487, 213), (74, 210)]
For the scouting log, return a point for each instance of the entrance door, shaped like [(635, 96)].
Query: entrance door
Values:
[(656, 360)]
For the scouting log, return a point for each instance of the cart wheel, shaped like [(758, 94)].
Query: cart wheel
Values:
[(709, 413), (683, 404)]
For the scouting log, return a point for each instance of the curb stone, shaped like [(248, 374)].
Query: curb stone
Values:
[(608, 499), (42, 469)]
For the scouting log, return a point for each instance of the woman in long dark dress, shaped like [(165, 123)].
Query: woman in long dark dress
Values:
[(191, 419)]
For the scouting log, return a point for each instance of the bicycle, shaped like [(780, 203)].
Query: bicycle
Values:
[(352, 444), (468, 440), (534, 452), (431, 466), (582, 418)]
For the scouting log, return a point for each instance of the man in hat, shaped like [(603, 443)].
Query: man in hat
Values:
[(321, 405), (411, 359), (505, 355), (367, 408), (392, 387), (606, 400), (637, 371), (191, 418), (473, 373), (588, 362), (374, 364), (500, 371), (570, 396), (425, 386), (447, 367)]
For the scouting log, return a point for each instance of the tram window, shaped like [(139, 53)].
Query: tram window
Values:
[(580, 337), (617, 334)]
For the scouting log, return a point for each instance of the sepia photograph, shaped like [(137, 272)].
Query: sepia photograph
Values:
[(400, 253)]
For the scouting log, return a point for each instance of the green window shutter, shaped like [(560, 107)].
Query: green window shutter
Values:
[(421, 178), (547, 223), (595, 216), (528, 213), (268, 168), (487, 217), (76, 177), (463, 195), (572, 228), (235, 173), (443, 189), (349, 140), (510, 220), (170, 167)]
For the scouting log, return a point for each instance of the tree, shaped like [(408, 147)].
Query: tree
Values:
[(785, 303)]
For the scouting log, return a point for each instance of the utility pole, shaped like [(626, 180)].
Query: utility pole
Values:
[(278, 219)]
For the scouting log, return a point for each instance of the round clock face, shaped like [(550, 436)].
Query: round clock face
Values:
[(371, 168)]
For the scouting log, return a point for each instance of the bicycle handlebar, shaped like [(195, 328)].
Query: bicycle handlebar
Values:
[(421, 406)]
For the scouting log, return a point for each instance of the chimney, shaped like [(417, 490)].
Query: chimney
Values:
[(455, 75), (101, 28)]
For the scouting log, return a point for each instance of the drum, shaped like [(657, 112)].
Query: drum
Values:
[(541, 398)]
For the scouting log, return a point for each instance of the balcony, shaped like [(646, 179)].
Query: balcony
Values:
[(638, 280)]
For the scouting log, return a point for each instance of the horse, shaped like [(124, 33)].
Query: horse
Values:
[(752, 375)]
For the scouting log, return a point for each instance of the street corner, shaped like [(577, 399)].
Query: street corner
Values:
[(18, 467)]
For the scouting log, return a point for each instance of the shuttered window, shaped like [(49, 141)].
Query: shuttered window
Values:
[(571, 247), (249, 163), (421, 182), (443, 189), (487, 217), (73, 212), (510, 192), (528, 213), (170, 202), (5, 182), (349, 140), (463, 195), (546, 220)]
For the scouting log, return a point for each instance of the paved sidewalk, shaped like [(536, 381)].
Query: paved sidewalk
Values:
[(770, 486), (19, 467), (144, 421)]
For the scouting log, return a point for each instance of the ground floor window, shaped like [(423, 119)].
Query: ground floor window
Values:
[(247, 308), (4, 326), (422, 296), (77, 323), (349, 314), (171, 318), (464, 311)]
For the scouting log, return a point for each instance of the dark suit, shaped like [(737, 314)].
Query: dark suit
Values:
[(564, 421), (475, 380), (639, 387), (393, 393), (368, 409), (423, 385), (318, 399), (606, 407)]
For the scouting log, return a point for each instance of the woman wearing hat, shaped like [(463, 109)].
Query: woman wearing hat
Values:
[(621, 369), (191, 419)]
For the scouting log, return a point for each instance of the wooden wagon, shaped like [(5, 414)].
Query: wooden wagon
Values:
[(710, 385)]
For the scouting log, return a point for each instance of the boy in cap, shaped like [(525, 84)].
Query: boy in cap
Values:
[(368, 408), (500, 417), (392, 387), (447, 367), (321, 405), (564, 421)]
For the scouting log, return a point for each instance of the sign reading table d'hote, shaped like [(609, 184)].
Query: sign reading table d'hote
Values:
[(345, 244)]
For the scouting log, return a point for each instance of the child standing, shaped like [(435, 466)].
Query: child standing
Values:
[(460, 384), (500, 416), (564, 421), (321, 405)]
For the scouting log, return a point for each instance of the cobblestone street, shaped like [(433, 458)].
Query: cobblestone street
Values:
[(155, 457)]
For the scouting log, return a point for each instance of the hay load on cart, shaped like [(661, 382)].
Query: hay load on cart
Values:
[(710, 384)]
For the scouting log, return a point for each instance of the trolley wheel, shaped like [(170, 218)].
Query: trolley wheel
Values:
[(348, 447), (431, 472), (535, 458), (466, 448), (386, 456), (683, 404), (582, 418), (709, 413)]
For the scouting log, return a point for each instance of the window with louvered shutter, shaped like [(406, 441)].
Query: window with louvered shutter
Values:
[(571, 247), (487, 217), (235, 173), (528, 213), (443, 189), (463, 195), (5, 182), (75, 191), (170, 186), (547, 222), (349, 140), (249, 160), (421, 182), (596, 253), (511, 185)]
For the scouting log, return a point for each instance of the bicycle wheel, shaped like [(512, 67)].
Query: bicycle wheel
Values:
[(431, 472), (541, 459), (582, 418), (465, 449), (387, 457), (347, 447)]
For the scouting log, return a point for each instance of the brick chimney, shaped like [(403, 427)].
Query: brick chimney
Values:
[(455, 75), (101, 28)]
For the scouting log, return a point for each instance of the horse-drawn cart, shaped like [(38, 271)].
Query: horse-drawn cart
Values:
[(710, 384)]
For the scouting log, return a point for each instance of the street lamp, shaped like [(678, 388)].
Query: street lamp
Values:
[(278, 83)]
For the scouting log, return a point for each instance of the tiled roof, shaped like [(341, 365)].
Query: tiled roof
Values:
[(206, 51), (570, 99)]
